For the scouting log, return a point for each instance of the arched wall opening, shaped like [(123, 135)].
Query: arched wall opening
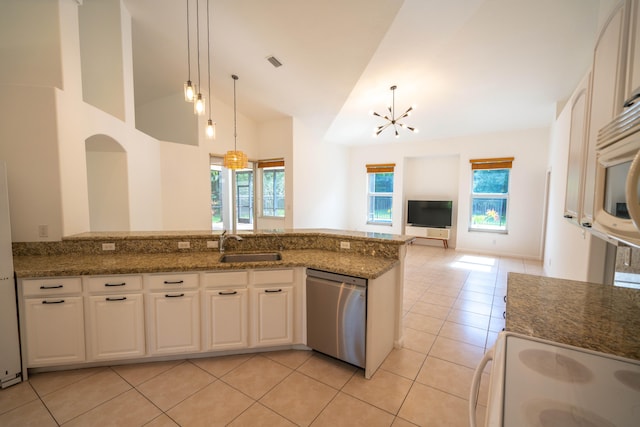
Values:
[(107, 183)]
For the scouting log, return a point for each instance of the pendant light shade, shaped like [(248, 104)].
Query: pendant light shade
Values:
[(198, 105), (211, 129), (189, 91), (235, 159)]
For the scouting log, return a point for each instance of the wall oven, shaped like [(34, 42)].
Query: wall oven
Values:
[(617, 199)]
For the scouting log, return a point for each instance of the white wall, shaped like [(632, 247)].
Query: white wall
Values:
[(320, 181), (420, 184), (276, 141), (169, 119), (526, 202)]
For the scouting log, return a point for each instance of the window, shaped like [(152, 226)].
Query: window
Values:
[(272, 188), (380, 193), (232, 197), (490, 194)]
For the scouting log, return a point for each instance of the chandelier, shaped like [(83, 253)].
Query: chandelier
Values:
[(391, 119), (235, 159)]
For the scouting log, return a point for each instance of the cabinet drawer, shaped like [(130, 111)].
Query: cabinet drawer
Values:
[(227, 278), (113, 284), (266, 277), (159, 282), (51, 286)]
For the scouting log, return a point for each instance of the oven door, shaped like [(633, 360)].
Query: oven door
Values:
[(617, 203)]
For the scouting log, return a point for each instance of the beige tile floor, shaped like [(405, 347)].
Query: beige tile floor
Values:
[(453, 305)]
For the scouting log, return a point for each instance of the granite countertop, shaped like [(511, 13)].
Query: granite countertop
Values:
[(129, 263), (604, 318)]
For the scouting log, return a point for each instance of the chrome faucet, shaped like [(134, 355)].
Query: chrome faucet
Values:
[(224, 237)]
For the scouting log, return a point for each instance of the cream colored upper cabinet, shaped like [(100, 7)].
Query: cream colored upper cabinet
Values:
[(607, 96), (577, 151), (632, 92)]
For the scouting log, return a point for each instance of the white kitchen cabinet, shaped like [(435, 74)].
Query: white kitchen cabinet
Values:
[(54, 330), (272, 309), (115, 326), (606, 97), (52, 317), (173, 315), (577, 151), (226, 316), (632, 92), (173, 322), (115, 317)]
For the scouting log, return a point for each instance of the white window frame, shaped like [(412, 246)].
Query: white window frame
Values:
[(372, 170), (490, 164)]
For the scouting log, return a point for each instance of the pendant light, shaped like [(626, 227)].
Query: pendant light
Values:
[(235, 159), (189, 89), (211, 127), (198, 105), (391, 119)]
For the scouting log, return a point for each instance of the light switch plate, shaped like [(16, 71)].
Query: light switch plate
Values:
[(184, 245), (108, 246), (212, 244), (345, 245)]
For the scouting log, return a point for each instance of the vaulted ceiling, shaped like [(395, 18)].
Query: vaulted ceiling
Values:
[(469, 66)]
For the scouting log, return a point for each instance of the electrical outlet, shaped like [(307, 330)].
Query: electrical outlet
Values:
[(108, 246), (212, 244), (43, 231), (345, 245), (184, 245)]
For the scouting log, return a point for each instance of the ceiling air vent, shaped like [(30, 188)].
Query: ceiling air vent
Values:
[(274, 61)]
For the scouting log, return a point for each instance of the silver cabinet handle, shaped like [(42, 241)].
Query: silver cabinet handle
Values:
[(115, 299), (51, 286), (173, 296), (60, 301)]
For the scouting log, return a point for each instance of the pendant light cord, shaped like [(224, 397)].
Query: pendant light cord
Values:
[(235, 131), (188, 46), (198, 41), (209, 59)]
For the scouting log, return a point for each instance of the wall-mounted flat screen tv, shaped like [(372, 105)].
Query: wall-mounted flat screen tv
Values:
[(429, 213)]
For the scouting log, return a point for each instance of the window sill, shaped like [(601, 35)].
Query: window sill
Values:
[(488, 230), (388, 224)]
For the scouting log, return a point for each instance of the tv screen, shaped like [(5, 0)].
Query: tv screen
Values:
[(429, 213)]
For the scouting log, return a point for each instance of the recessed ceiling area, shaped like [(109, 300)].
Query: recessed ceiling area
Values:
[(470, 66)]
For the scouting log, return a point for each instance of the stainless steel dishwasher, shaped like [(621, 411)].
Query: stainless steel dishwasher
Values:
[(337, 315)]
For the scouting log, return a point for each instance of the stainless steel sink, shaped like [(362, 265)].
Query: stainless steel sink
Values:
[(251, 257)]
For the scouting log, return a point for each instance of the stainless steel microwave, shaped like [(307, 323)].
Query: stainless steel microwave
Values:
[(617, 196)]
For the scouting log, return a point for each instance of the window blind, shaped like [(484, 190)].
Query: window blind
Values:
[(495, 163), (381, 167)]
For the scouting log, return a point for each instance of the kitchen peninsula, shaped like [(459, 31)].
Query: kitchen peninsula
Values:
[(177, 299)]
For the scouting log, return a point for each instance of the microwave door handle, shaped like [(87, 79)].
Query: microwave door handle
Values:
[(631, 191)]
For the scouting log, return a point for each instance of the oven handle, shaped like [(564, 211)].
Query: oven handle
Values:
[(631, 191), (475, 386)]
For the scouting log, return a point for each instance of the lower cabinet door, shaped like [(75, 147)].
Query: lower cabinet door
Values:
[(226, 319), (173, 322), (54, 330), (273, 315), (115, 326)]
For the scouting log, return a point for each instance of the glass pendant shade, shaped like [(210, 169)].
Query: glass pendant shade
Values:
[(235, 160), (189, 91), (198, 105), (211, 129)]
